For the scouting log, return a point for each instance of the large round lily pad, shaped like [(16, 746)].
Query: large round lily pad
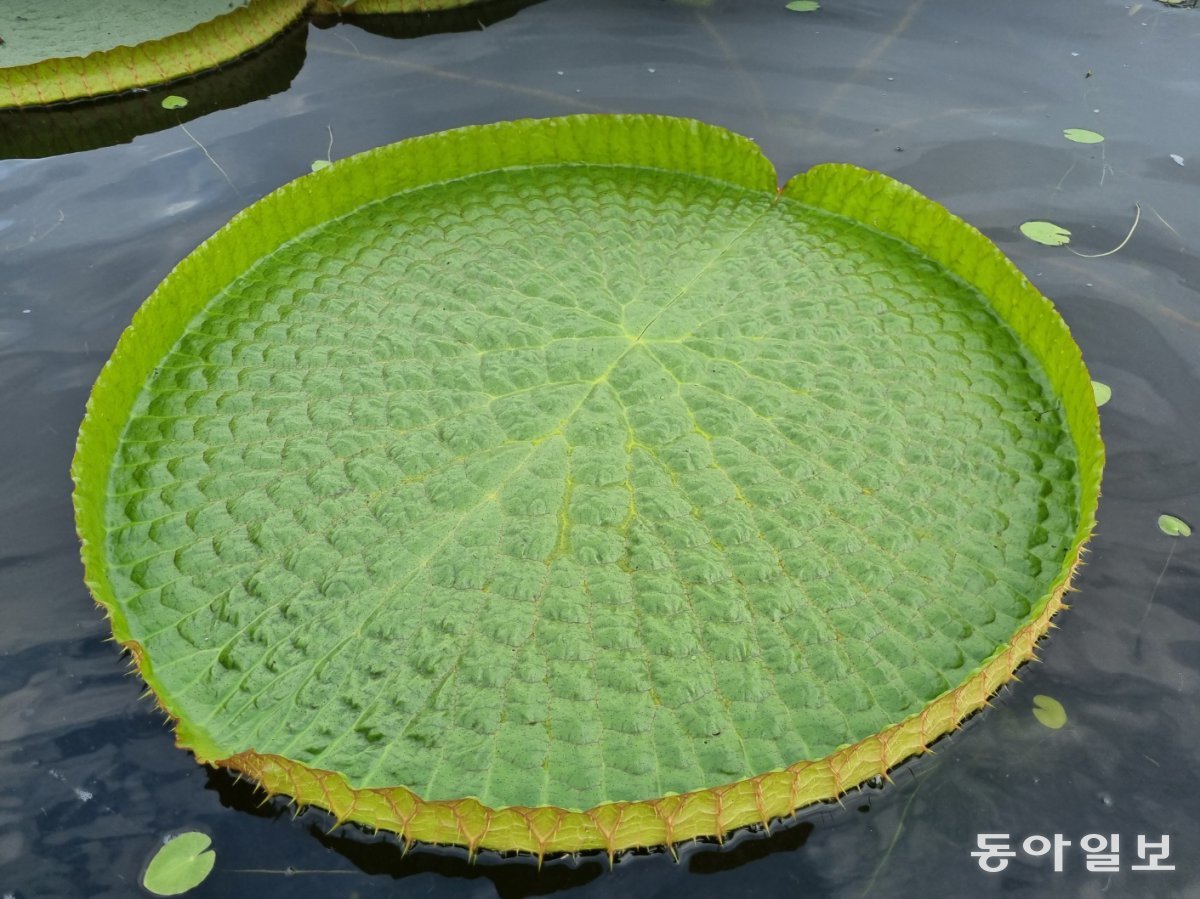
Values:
[(564, 484)]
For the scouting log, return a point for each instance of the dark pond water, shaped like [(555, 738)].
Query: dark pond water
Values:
[(965, 101)]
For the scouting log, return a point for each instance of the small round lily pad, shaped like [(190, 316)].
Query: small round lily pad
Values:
[(1047, 233), (1083, 136), (1174, 527), (1049, 712), (565, 484), (180, 864)]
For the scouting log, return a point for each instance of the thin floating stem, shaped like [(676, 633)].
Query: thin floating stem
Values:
[(1136, 218)]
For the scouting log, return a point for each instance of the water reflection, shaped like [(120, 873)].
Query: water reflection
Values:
[(88, 124)]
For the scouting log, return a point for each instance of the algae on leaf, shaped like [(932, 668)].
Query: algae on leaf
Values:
[(565, 484)]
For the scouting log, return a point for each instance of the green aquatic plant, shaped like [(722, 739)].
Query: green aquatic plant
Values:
[(1049, 712), (181, 864), (1047, 233), (1083, 136), (1174, 527), (60, 50), (568, 484)]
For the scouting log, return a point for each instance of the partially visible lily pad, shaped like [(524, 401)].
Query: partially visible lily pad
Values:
[(37, 30), (1047, 233), (55, 51), (36, 132), (181, 864), (1103, 392), (60, 50)]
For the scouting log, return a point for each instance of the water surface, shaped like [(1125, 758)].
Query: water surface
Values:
[(966, 102)]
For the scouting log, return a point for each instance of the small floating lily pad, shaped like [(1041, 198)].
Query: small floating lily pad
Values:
[(174, 101), (319, 164), (1047, 233), (1049, 711), (1082, 136), (565, 484), (182, 863), (1102, 392), (804, 6), (1174, 527)]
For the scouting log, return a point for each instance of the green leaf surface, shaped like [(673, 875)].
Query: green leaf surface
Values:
[(567, 476), (174, 101), (1047, 233), (1174, 527), (804, 6), (1049, 712), (1082, 136), (60, 50), (36, 30), (1102, 392), (181, 864)]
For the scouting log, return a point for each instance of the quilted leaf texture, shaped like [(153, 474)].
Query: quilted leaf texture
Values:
[(565, 484)]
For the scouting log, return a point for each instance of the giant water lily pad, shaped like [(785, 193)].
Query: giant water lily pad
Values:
[(61, 50), (563, 484)]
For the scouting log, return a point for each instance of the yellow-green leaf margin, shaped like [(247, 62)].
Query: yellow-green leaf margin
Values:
[(871, 199), (206, 46)]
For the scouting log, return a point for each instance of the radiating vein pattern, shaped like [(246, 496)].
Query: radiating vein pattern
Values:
[(575, 484)]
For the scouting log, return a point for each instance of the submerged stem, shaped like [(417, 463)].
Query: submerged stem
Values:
[(1137, 646)]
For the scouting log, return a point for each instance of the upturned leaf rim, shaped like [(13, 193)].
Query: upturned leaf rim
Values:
[(206, 46), (679, 145)]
